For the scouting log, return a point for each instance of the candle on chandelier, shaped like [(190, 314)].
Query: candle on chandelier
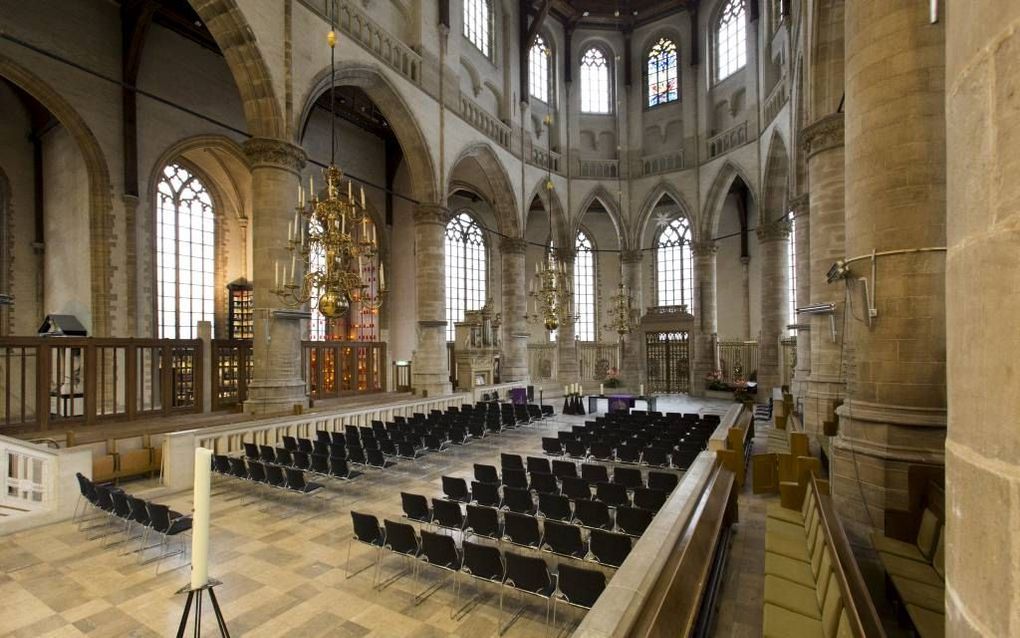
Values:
[(290, 231), (350, 192), (362, 197), (382, 277), (311, 187), (602, 389), (276, 274), (293, 266)]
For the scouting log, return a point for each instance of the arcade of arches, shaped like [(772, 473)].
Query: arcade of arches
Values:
[(806, 200)]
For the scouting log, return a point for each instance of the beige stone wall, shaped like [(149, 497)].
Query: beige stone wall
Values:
[(983, 471)]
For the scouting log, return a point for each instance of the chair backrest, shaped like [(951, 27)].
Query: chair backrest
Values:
[(594, 473), (633, 520), (338, 467), (366, 528), (517, 499), (222, 463), (483, 561), (295, 479), (521, 529), (303, 460), (159, 516), (322, 435), (139, 513), (544, 483), (629, 476), (576, 488), (447, 513), (440, 550), (237, 468), (274, 476), (563, 538), (564, 469), (554, 506), (290, 443), (455, 488), (485, 493), (515, 478), (511, 461), (401, 538), (579, 586), (666, 481), (539, 464), (415, 506), (483, 521), (592, 513), (283, 456), (120, 504), (609, 547), (612, 494), (375, 457), (251, 450), (551, 445), (528, 573), (649, 498)]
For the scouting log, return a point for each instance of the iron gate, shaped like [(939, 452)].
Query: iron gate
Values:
[(667, 357)]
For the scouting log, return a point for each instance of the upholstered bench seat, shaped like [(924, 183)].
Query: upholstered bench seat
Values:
[(791, 569), (778, 512), (789, 546), (776, 526), (912, 592), (789, 595), (929, 624), (921, 549), (779, 622), (912, 569)]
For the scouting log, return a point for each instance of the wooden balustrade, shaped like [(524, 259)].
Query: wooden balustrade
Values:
[(737, 355), (334, 369)]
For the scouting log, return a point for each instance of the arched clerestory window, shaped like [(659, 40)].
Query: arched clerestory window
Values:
[(584, 288), (595, 87), (478, 24), (466, 266), (662, 69), (674, 264), (185, 253), (731, 39), (539, 75)]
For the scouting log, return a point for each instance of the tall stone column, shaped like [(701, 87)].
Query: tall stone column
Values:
[(566, 344), (775, 300), (514, 362), (633, 366), (431, 366), (705, 314), (823, 146), (801, 237), (895, 413), (745, 323), (276, 384), (982, 460)]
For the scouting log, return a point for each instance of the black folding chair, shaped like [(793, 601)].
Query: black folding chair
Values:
[(563, 539), (527, 575), (521, 529), (554, 506), (485, 494), (551, 446), (564, 469), (538, 464), (576, 449), (577, 587), (456, 489), (602, 451), (447, 514), (515, 478), (609, 548), (401, 539), (511, 461), (416, 507), (486, 474), (544, 483), (575, 488), (296, 482), (440, 552), (633, 521), (368, 532), (592, 514), (612, 494), (594, 473), (483, 521), (160, 521), (484, 563), (518, 500), (628, 477), (377, 459)]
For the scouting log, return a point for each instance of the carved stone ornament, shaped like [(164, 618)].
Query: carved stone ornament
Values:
[(800, 205), (704, 248), (427, 213), (264, 151), (775, 231), (823, 134)]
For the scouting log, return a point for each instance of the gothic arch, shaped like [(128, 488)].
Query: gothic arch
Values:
[(610, 204), (716, 199), (224, 150), (550, 200), (776, 181), (497, 190), (100, 191), (236, 40), (396, 111), (663, 189)]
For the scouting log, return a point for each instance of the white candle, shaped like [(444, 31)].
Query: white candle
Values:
[(311, 187), (290, 231), (200, 519), (293, 265), (363, 198), (602, 389), (641, 390), (566, 389), (276, 275), (382, 277)]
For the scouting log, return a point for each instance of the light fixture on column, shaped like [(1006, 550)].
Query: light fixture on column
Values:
[(332, 241), (551, 291)]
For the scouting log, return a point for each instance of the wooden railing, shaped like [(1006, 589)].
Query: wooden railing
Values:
[(662, 163), (727, 140), (47, 381), (737, 355), (334, 369), (231, 364), (596, 359)]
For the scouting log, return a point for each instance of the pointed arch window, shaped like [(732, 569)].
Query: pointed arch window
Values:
[(584, 288), (594, 82), (466, 269), (663, 81), (731, 39), (539, 63), (478, 24), (674, 264), (185, 251)]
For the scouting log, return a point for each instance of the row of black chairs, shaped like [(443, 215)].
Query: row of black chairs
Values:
[(520, 497), (648, 455), (528, 575), (267, 475), (515, 475), (115, 506)]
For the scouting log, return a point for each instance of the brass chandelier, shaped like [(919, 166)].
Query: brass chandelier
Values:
[(620, 311), (332, 240), (551, 290)]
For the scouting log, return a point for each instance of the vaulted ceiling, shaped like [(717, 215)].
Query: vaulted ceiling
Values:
[(611, 14)]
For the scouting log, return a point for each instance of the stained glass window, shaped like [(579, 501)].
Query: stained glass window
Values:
[(663, 84), (674, 264), (465, 269), (731, 40), (185, 248), (594, 82)]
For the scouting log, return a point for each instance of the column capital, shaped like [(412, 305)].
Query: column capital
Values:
[(707, 248), (431, 213), (631, 256), (513, 245), (801, 205), (265, 151), (778, 230), (823, 134)]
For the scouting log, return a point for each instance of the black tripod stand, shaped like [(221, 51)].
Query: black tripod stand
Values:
[(208, 587)]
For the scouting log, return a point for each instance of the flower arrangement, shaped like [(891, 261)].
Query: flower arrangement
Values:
[(714, 381), (612, 379)]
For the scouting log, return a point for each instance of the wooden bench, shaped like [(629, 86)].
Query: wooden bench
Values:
[(912, 551), (785, 468), (813, 586), (732, 441), (116, 465)]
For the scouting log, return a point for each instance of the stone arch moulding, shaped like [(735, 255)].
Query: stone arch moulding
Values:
[(100, 191), (203, 142), (612, 207), (236, 40), (394, 108), (551, 201), (499, 193), (662, 189), (716, 198), (775, 181)]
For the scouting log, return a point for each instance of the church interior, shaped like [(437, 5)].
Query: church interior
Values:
[(673, 302)]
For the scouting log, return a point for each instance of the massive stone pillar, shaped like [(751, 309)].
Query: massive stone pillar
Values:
[(431, 366), (566, 344), (982, 280), (895, 413), (705, 314), (823, 145), (802, 242), (745, 288), (775, 302), (514, 360), (276, 384), (632, 367)]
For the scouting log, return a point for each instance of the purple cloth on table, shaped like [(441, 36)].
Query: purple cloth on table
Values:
[(620, 402), (519, 396)]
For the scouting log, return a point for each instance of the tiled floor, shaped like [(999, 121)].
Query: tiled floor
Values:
[(281, 562)]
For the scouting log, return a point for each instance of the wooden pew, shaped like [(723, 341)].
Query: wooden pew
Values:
[(732, 441)]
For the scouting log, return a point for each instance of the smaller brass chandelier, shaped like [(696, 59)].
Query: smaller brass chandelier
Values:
[(333, 242), (620, 307)]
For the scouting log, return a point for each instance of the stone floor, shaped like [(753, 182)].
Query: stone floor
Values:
[(282, 563)]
